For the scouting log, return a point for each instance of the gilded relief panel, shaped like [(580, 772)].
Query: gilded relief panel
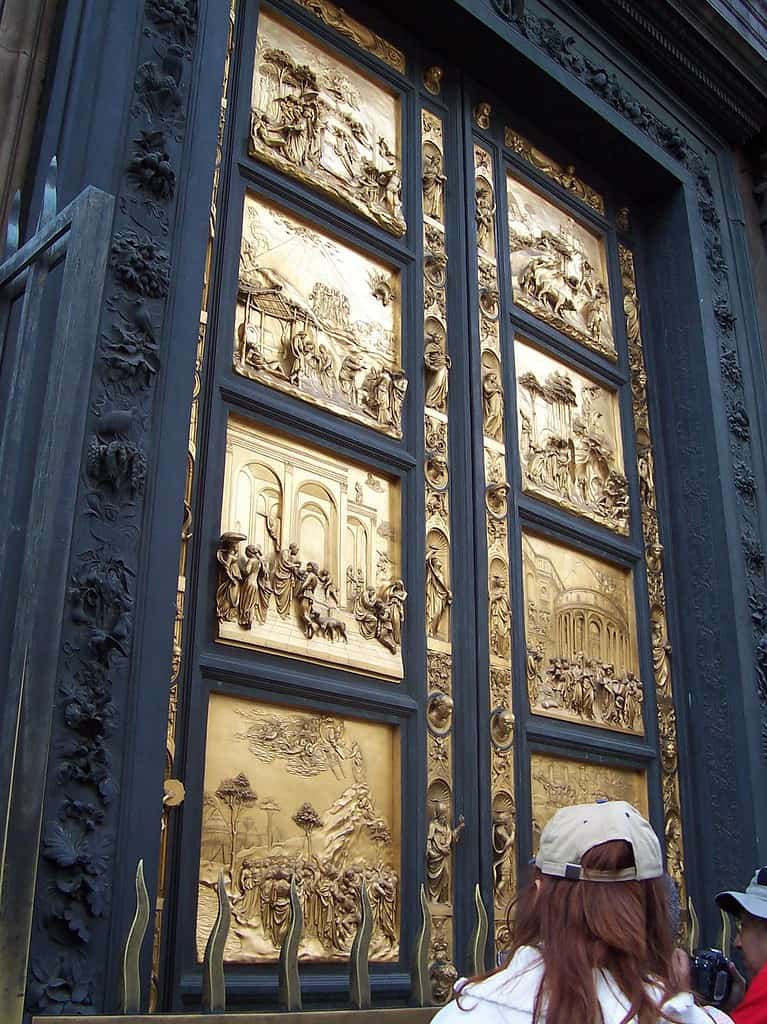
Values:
[(570, 445), (320, 120), (559, 269), (558, 782), (309, 555), (304, 795), (318, 320), (580, 631)]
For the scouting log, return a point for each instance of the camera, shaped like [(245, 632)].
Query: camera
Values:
[(709, 970)]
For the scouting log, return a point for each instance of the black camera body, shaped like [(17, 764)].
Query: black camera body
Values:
[(709, 970)]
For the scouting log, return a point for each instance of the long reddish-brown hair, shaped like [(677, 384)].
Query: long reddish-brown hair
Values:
[(579, 927)]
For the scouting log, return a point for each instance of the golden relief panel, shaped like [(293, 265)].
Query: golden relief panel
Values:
[(558, 782), (304, 795), (318, 119), (309, 556), (345, 25), (565, 176), (559, 269), (570, 445), (581, 638), (318, 319)]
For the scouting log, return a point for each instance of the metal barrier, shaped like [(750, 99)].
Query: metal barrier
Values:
[(289, 984)]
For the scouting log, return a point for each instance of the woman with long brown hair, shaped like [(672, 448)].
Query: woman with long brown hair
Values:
[(591, 937)]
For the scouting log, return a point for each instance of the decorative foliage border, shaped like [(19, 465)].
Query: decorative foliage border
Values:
[(77, 851), (562, 48)]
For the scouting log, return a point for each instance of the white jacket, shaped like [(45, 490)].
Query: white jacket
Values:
[(508, 997)]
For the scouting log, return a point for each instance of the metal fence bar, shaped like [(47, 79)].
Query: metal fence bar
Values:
[(31, 681)]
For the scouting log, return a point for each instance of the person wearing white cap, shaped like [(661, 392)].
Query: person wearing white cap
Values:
[(750, 908), (591, 935)]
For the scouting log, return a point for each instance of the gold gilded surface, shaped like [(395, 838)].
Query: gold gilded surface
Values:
[(559, 269), (443, 832), (309, 557), (580, 631), (320, 120), (557, 782), (304, 795), (661, 648), (318, 319), (570, 444), (365, 38), (499, 614), (564, 176)]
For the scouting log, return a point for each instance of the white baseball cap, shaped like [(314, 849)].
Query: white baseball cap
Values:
[(573, 831), (753, 900)]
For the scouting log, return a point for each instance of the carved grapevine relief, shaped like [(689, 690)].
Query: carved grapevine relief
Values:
[(76, 868), (316, 118), (318, 319), (314, 797)]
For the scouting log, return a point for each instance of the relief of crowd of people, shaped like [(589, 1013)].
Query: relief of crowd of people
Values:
[(248, 582), (313, 119), (589, 689)]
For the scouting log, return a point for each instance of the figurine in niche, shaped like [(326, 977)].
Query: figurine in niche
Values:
[(492, 404), (440, 840), (439, 597), (229, 576), (500, 617), (359, 495), (504, 836), (484, 213), (433, 184), (256, 588), (285, 577), (438, 362)]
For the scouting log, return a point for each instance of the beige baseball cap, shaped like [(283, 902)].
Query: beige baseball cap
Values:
[(753, 900), (573, 831)]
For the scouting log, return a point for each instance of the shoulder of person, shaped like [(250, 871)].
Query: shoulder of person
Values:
[(683, 1008), (511, 990)]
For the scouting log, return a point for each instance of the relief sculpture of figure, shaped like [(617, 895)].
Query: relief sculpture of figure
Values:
[(484, 211), (229, 576), (440, 840), (438, 362), (256, 589), (365, 612), (504, 835), (439, 596), (500, 617), (433, 185), (395, 596), (308, 581), (351, 366), (284, 577), (492, 404)]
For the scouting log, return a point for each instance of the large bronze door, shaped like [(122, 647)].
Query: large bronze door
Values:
[(421, 599)]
